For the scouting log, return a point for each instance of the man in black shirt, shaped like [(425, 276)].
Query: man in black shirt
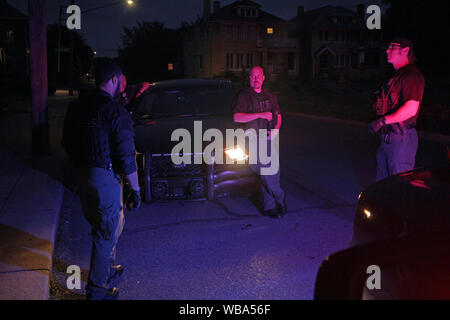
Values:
[(397, 109), (257, 108), (98, 136)]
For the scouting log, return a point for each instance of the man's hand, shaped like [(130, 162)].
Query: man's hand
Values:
[(375, 125), (134, 200), (267, 116)]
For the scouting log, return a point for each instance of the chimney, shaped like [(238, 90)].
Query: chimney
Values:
[(300, 10), (360, 11), (206, 9), (216, 6)]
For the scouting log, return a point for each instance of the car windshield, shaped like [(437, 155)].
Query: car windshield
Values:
[(189, 101)]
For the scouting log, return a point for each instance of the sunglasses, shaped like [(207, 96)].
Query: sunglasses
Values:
[(391, 46)]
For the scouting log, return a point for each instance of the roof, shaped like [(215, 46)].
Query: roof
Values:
[(321, 18), (228, 13), (8, 12), (192, 83)]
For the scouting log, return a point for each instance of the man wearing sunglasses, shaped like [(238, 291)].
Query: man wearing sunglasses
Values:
[(397, 109)]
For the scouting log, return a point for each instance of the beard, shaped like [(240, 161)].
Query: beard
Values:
[(116, 94)]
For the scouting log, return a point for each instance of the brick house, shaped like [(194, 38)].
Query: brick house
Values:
[(336, 44), (235, 38), (14, 48)]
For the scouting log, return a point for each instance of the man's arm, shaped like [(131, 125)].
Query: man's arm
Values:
[(132, 180), (242, 117), (406, 111)]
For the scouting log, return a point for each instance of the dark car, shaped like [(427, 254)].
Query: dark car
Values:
[(410, 203), (402, 230), (405, 268), (190, 106)]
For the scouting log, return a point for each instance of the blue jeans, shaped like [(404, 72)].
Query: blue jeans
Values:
[(101, 198), (271, 193), (397, 156)]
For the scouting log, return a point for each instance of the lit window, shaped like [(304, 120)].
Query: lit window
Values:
[(269, 30)]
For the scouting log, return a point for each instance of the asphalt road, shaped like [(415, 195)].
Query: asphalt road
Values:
[(225, 249)]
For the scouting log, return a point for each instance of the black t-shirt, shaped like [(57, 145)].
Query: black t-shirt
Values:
[(407, 84), (248, 101)]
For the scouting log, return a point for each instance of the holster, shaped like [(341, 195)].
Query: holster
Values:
[(381, 106)]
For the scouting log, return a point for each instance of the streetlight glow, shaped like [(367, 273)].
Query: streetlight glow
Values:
[(130, 2)]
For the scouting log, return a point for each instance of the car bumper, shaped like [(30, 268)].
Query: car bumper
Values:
[(161, 180)]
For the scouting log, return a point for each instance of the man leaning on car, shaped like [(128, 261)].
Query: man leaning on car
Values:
[(397, 109), (256, 103)]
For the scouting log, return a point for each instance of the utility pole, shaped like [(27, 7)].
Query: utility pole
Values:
[(72, 2), (38, 74)]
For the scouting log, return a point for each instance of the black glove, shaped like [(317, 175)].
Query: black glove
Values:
[(134, 200), (375, 125)]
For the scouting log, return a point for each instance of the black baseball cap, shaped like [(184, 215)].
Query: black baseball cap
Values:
[(404, 42)]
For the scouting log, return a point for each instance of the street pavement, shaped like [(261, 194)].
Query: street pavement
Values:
[(222, 249)]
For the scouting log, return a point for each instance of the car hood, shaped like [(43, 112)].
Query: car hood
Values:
[(155, 133), (421, 197)]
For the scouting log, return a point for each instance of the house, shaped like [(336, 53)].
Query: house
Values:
[(336, 44), (14, 48), (235, 38)]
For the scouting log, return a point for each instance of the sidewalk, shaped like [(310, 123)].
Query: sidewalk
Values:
[(31, 195)]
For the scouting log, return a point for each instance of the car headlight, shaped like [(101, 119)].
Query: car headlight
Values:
[(367, 213), (236, 154)]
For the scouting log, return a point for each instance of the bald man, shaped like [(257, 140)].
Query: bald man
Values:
[(257, 108)]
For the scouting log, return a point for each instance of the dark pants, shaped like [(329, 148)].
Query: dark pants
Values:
[(397, 156), (270, 189), (101, 198)]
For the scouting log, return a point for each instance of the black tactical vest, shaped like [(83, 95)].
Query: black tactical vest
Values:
[(87, 129)]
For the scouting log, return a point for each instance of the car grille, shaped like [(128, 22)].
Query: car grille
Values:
[(162, 166)]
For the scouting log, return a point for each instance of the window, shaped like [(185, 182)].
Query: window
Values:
[(250, 32), (269, 30), (8, 35), (200, 62), (229, 61), (291, 61), (249, 63), (240, 33), (323, 35), (239, 60), (229, 32)]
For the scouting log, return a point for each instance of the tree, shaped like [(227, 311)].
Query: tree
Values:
[(38, 76), (83, 57), (147, 50), (425, 23)]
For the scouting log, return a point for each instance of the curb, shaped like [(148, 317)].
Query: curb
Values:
[(28, 223), (422, 134)]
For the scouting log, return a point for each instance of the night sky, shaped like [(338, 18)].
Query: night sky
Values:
[(102, 28)]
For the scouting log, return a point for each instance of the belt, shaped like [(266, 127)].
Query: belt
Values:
[(106, 166)]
